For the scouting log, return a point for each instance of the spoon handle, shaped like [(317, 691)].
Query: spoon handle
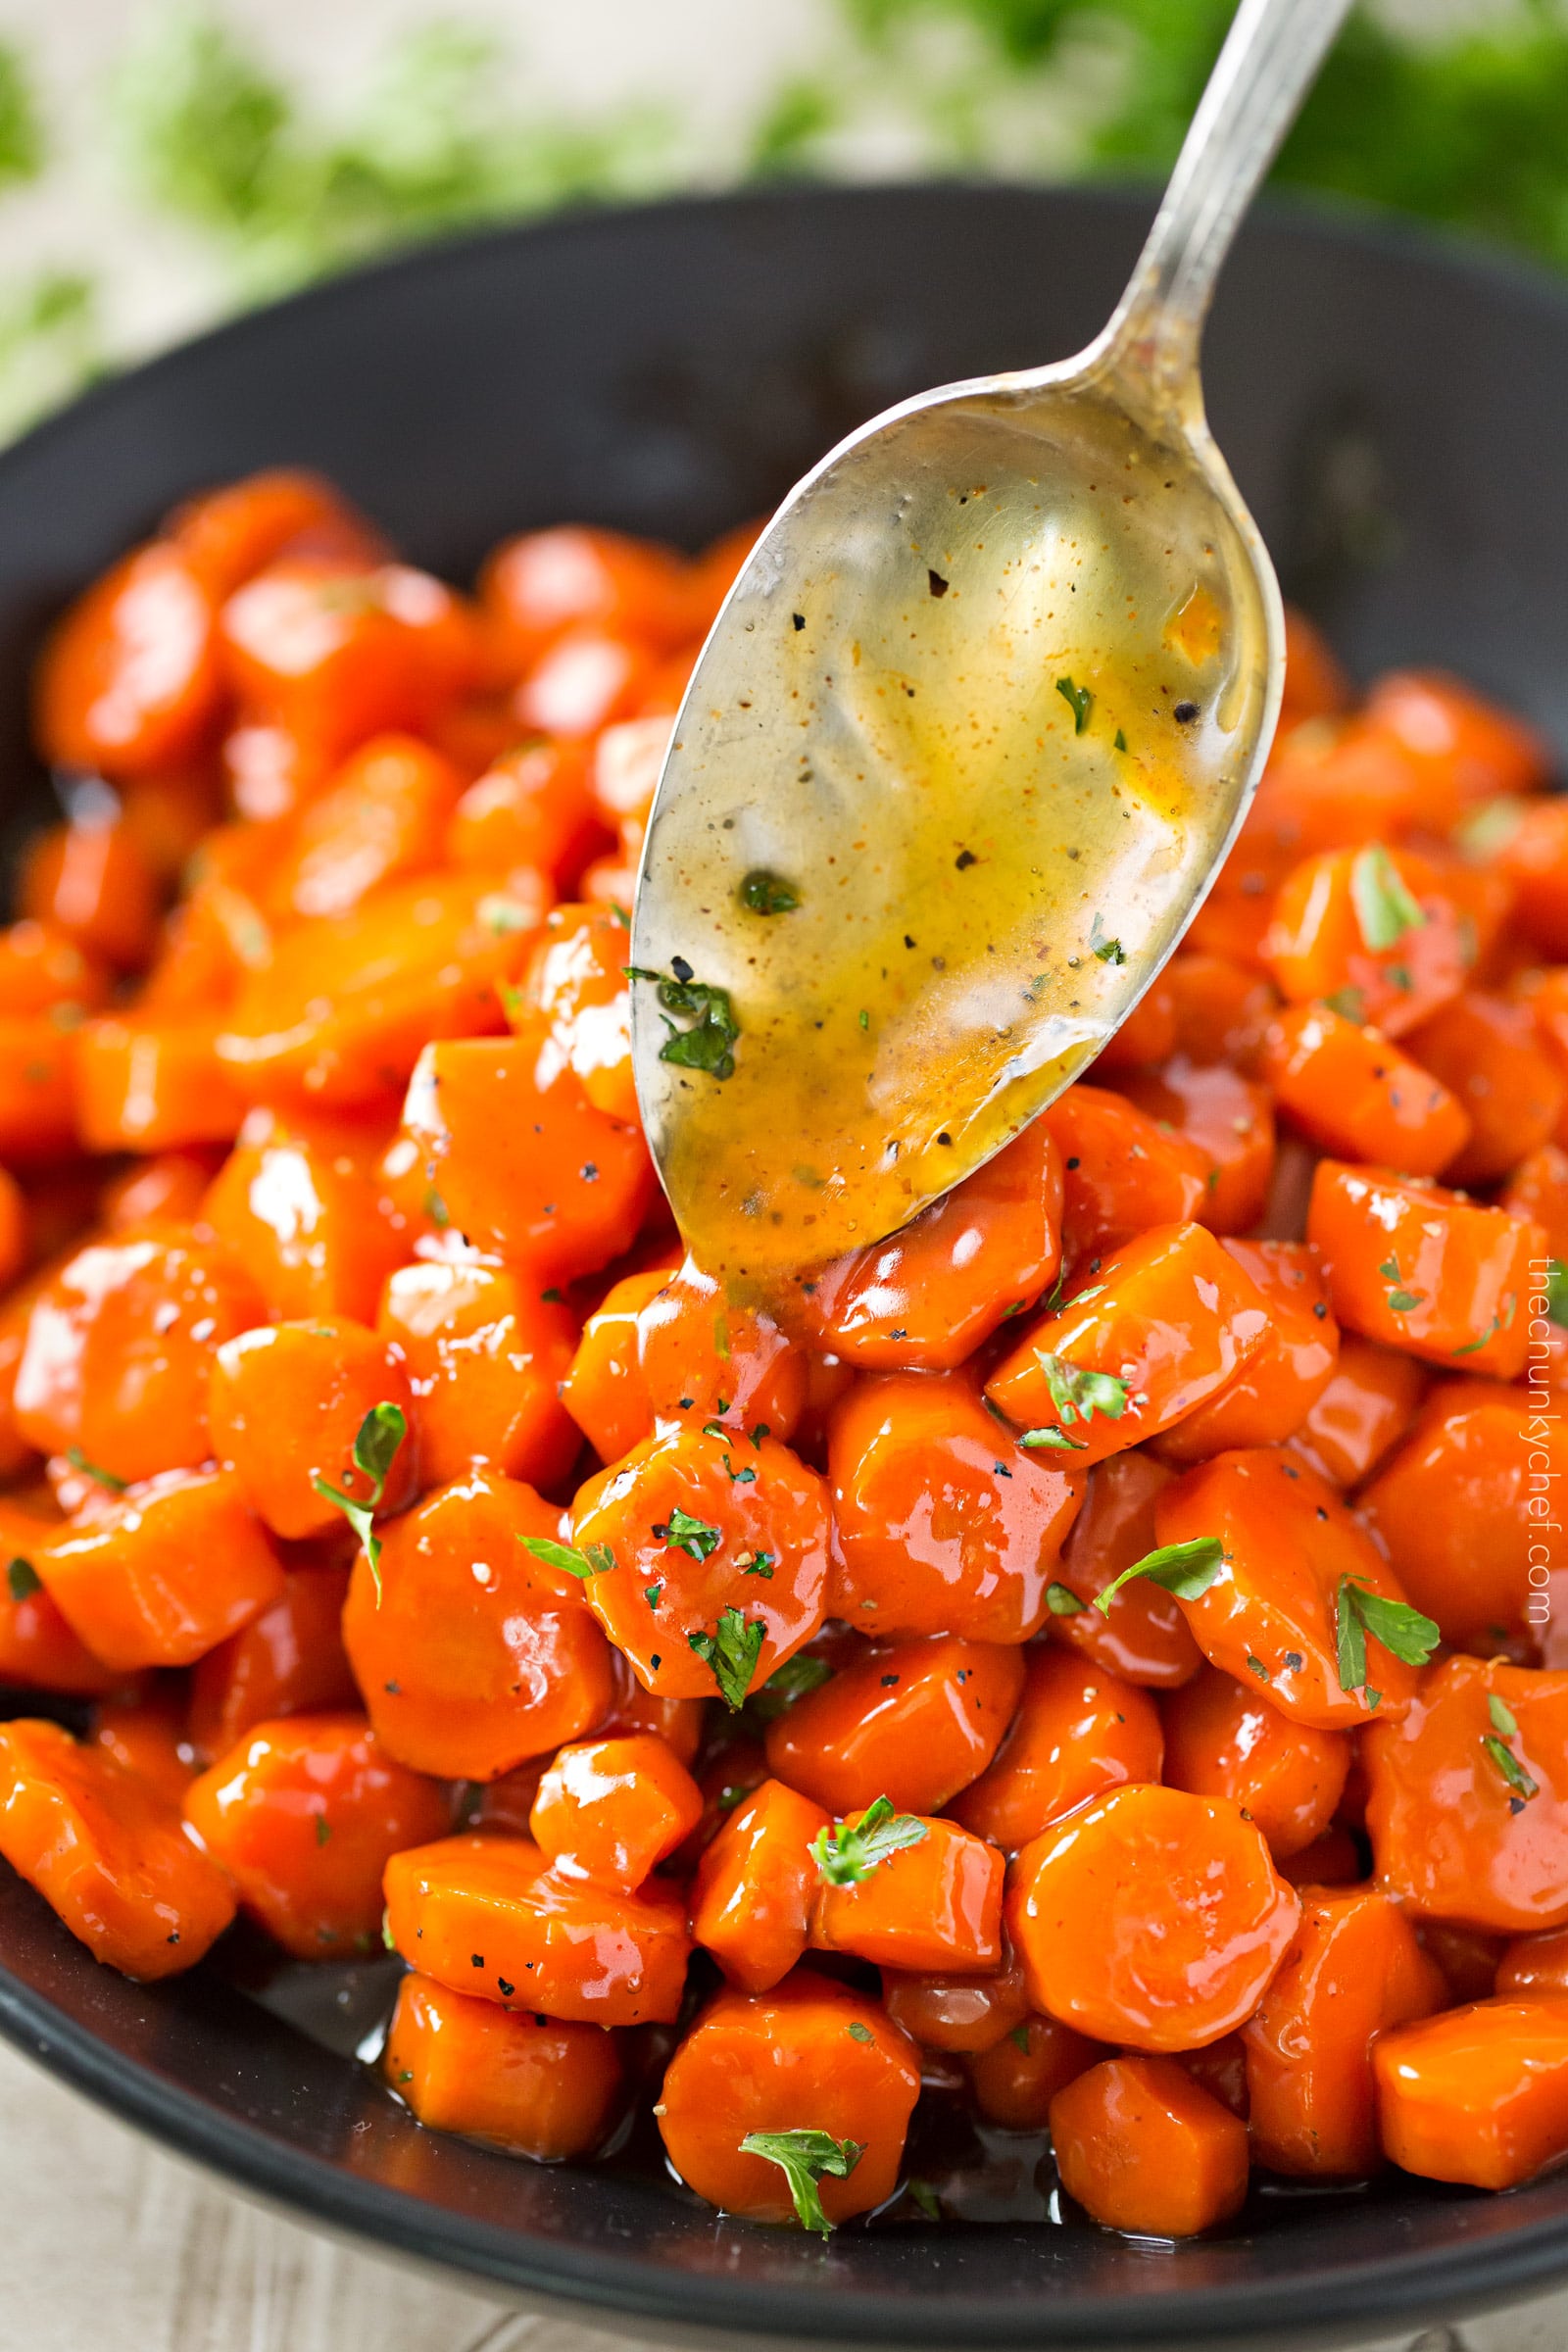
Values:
[(1271, 55)]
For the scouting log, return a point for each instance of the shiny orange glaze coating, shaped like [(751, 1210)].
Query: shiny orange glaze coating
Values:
[(1078, 1732), (1369, 1403), (143, 1728), (302, 1813), (756, 1886), (933, 1905), (1351, 1090), (1533, 1965), (1016, 2078), (604, 1391), (289, 1660), (575, 982), (1457, 1291), (912, 1721), (1315, 947), (300, 1208), (285, 1403), (1143, 2147), (1480, 2094), (531, 808), (160, 1573), (940, 1518), (788, 2060), (1142, 1636), (612, 1810), (534, 2088), (957, 2012), (1121, 1171), (1170, 1316), (1353, 1970), (485, 1353), (1484, 1050), (1452, 1837), (1098, 1958), (130, 681), (705, 1361), (1281, 1381), (926, 1298), (1223, 1739), (1538, 1191), (107, 1851), (383, 817), (1271, 1613), (1231, 1121), (487, 1916), (472, 1652), (770, 1562)]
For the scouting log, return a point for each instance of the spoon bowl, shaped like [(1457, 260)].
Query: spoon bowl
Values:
[(965, 748)]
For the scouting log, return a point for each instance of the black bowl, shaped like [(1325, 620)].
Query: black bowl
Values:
[(1394, 414)]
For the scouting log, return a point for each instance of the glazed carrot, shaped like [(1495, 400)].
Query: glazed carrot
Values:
[(1366, 930), (1538, 1193), (44, 970), (926, 1298), (129, 680), (709, 1361), (518, 1160), (474, 1653), (1121, 1171), (1016, 2078), (533, 2086), (289, 1660), (303, 1813), (941, 1517), (1146, 1037), (1229, 1119), (286, 1403), (916, 1721), (1283, 1608), (92, 880), (1276, 1388), (120, 1346), (1315, 685), (1222, 1740), (756, 1884), (1424, 1269), (1143, 2147), (932, 1901), (143, 1729), (107, 1852), (158, 1573), (1533, 1965), (1463, 748), (1370, 1400), (575, 985), (382, 818), (1222, 1009), (487, 1916), (963, 2013), (1455, 1507), (612, 1810), (1165, 1325), (604, 1391), (705, 1578), (1480, 2094), (808, 2058), (299, 1207), (1532, 854), (1483, 1050), (37, 1091), (1141, 1635), (1078, 1732), (1332, 1860), (1352, 1091), (1353, 1970), (485, 1353), (1466, 1815), (538, 586), (678, 1722), (583, 684), (1169, 1974), (531, 808), (150, 1086), (39, 1649)]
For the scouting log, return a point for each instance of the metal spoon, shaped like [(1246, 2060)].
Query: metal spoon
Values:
[(969, 738)]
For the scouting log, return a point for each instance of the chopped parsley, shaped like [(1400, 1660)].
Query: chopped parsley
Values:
[(1108, 950), (1385, 910), (1400, 1302), (859, 2032), (1055, 1438), (594, 1559), (1403, 1631), (924, 2195), (680, 1531), (22, 1579), (1505, 1727), (103, 1478), (1062, 1601), (731, 1651), (375, 1450), (1557, 1290), (1185, 1570), (805, 2158), (1079, 701), (786, 1684), (769, 894), (708, 1043), (844, 1855), (1078, 1395)]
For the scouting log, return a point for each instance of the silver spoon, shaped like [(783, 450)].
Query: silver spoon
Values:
[(969, 738)]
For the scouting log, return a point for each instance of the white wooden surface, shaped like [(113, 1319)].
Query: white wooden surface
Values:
[(112, 2246)]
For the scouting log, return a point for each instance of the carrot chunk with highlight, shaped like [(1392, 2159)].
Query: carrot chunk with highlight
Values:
[(1121, 1171), (932, 1902), (1141, 1635), (1369, 1403), (958, 2011), (1485, 1051), (1016, 2078), (914, 1720), (1479, 2095), (302, 1211), (604, 1390), (289, 1660), (286, 1403), (612, 1810), (128, 680), (534, 2088), (756, 1884), (1144, 2148), (158, 1574), (1351, 1090), (485, 1353), (1367, 930), (1281, 1381), (1222, 1740), (706, 1360), (1078, 1732)]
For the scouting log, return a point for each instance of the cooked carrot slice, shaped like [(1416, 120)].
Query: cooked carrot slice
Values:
[(289, 1660), (941, 1517), (1466, 1816), (1015, 2078), (93, 881), (1281, 1381), (756, 1886), (1222, 1009), (1170, 1976), (1370, 1400), (1353, 1969), (1533, 854), (612, 1810), (963, 2013), (1538, 1192), (1533, 1965), (1229, 1119), (39, 1649), (143, 1728), (37, 1091), (1367, 930), (1121, 1171), (107, 1853), (1351, 1090), (532, 809), (300, 1208), (538, 586), (1485, 1051), (913, 1721), (487, 1916), (228, 535), (575, 985), (933, 1904), (1079, 1731), (1424, 1269), (1142, 1635), (1479, 2095), (535, 2086), (1144, 2148), (709, 1361), (285, 1404), (303, 1814), (678, 1722), (44, 970), (485, 1353), (129, 680), (604, 1391), (1463, 748), (1222, 1740), (156, 1575), (473, 1654), (382, 818), (150, 1086)]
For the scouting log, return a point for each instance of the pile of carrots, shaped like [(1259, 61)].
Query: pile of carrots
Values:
[(1103, 1650)]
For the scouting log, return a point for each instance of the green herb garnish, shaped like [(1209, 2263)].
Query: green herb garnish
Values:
[(769, 894), (1385, 910), (805, 2158), (786, 1684), (1079, 700), (844, 1855), (1108, 950), (1557, 1290), (24, 1579), (101, 1477), (680, 1531), (708, 1043), (1078, 1395), (375, 1450), (732, 1652), (1062, 1601), (594, 1559), (1185, 1570), (1403, 1631)]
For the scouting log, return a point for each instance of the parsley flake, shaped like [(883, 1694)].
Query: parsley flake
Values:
[(1079, 700), (680, 1531), (845, 1854), (375, 1450), (1108, 950), (594, 1559), (1078, 1395), (1523, 1783), (786, 1684), (1403, 1631), (769, 894), (1062, 1601), (1385, 910), (103, 1478), (1557, 1290), (22, 1579), (731, 1651), (708, 1043), (805, 2158), (1185, 1570)]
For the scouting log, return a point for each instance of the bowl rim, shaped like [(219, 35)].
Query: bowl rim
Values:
[(1399, 2290)]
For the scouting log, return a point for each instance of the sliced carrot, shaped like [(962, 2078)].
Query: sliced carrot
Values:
[(604, 1391), (128, 679), (1222, 1740), (612, 1810), (298, 1205), (709, 1361), (1141, 1635), (1479, 2095), (158, 1574), (1078, 1732), (485, 1353), (1370, 1400), (1270, 1396), (1367, 930), (1121, 1171), (1229, 1119), (963, 2013), (1016, 2078), (756, 1884), (914, 1720), (1144, 2148), (1351, 1090), (532, 808), (289, 1660), (534, 2088)]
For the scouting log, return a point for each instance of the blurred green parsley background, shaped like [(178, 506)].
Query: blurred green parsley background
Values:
[(1460, 116)]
